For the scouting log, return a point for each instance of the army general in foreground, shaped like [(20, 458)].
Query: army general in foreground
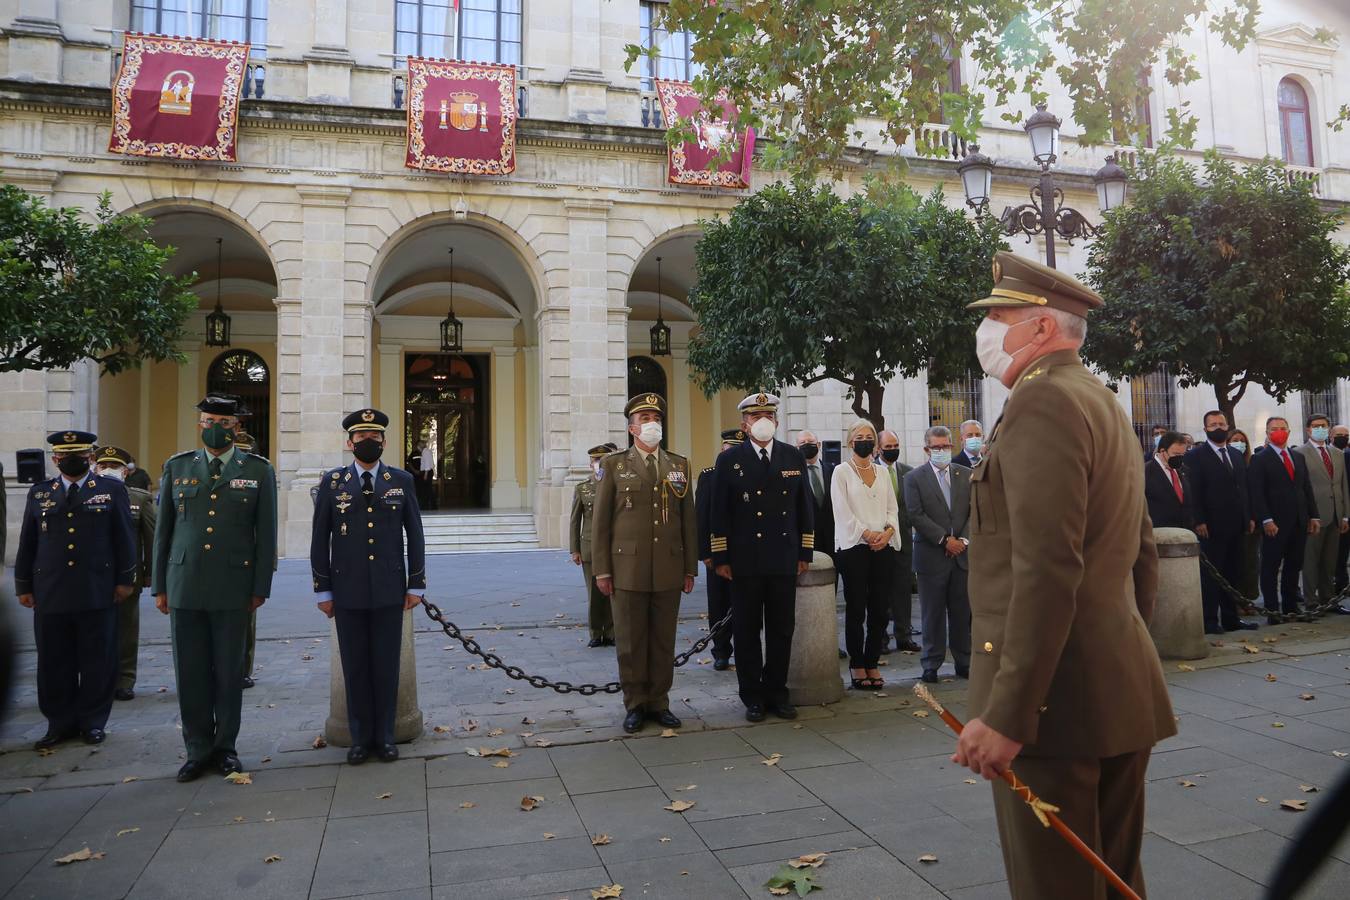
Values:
[(1064, 676)]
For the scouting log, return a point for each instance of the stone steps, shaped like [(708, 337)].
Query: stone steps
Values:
[(479, 532)]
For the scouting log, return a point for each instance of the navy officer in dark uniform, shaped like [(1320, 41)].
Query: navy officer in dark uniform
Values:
[(76, 562), (361, 514), (762, 539), (719, 589)]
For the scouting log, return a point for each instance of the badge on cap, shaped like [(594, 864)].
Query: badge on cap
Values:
[(368, 415)]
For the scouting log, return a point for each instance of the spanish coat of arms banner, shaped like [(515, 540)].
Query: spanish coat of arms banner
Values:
[(461, 117), (688, 161), (178, 98)]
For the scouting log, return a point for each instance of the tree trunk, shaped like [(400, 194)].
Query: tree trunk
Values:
[(1228, 396), (873, 392)]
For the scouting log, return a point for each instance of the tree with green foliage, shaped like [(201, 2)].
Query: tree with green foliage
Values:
[(1230, 276), (814, 77), (797, 285), (71, 289)]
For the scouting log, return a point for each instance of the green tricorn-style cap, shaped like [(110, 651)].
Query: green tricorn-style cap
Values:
[(1022, 282)]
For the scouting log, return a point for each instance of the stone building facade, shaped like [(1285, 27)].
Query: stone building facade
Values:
[(334, 260)]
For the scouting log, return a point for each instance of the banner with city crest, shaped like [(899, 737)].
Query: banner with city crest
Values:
[(689, 161), (178, 98), (461, 117)]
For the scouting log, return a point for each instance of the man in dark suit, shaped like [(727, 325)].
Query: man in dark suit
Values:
[(76, 561), (1167, 489), (819, 471), (972, 444), (356, 551), (902, 599), (719, 589), (763, 537), (1221, 507), (1284, 505), (1340, 439)]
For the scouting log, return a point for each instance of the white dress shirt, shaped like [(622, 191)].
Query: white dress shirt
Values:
[(859, 508)]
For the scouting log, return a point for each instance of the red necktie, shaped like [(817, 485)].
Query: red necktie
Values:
[(1288, 463), (1326, 461), (1176, 483)]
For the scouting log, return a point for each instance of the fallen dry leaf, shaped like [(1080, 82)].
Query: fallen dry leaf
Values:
[(687, 787), (496, 732), (1250, 649), (1276, 724), (1339, 754), (79, 856), (680, 805), (882, 694), (467, 804), (441, 729), (385, 796), (920, 713), (664, 840), (239, 778), (808, 860), (608, 890), (772, 760), (266, 759), (601, 840), (669, 732), (501, 764), (1262, 800), (798, 727), (971, 781), (928, 858), (1183, 667), (128, 831), (1185, 783), (1270, 676), (529, 803), (499, 751), (46, 751), (543, 743), (1307, 788), (271, 858), (238, 819), (319, 743), (548, 835), (1269, 640), (306, 657), (527, 721), (129, 779), (1294, 805)]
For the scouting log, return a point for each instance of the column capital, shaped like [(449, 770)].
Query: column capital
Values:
[(508, 352), (384, 348), (34, 181), (583, 208), (283, 302)]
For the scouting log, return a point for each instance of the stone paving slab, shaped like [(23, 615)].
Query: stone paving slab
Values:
[(228, 862), (361, 789), (638, 823), (372, 853), (675, 877), (870, 873)]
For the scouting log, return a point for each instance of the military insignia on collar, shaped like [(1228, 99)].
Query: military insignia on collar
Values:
[(387, 476), (90, 483)]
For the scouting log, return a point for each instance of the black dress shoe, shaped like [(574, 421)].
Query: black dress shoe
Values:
[(1341, 610), (51, 739), (595, 642), (387, 752), (754, 712), (963, 671), (191, 770), (357, 755), (721, 663), (930, 676), (1240, 625), (94, 736), (1214, 629), (1272, 620), (124, 694), (783, 710), (910, 646), (632, 723), (666, 719), (248, 682), (228, 763), (608, 642)]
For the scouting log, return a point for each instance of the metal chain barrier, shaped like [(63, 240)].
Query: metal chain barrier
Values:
[(1247, 605), (516, 673)]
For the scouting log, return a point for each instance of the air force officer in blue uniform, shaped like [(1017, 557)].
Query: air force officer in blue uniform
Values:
[(361, 514), (76, 562)]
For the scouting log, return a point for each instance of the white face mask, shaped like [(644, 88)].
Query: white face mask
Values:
[(989, 346), (940, 458), (762, 429), (650, 433), (118, 474)]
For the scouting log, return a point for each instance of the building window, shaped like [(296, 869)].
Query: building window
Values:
[(476, 31), (1153, 401), (220, 20), (244, 374), (1295, 124), (645, 376), (1326, 402), (674, 61), (956, 402)]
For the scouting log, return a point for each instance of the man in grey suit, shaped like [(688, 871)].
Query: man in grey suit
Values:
[(1326, 472), (937, 496), (903, 598)]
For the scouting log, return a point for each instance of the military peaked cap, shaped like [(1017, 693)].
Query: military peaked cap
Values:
[(365, 420), (646, 403), (1022, 282), (72, 441), (111, 454)]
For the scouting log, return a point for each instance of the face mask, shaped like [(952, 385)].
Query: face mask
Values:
[(974, 445), (115, 474), (763, 429), (1279, 436), (596, 469), (1239, 446), (989, 346), (73, 466), (217, 436), (1176, 462), (368, 451), (810, 450), (1341, 441), (1319, 432), (864, 448), (1157, 439), (650, 433), (940, 458), (891, 455), (1217, 435)]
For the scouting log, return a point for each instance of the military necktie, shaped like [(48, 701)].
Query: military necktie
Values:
[(72, 494), (651, 466), (367, 487), (215, 467), (764, 456)]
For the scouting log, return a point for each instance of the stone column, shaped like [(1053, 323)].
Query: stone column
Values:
[(391, 396), (586, 84), (35, 42), (1178, 626), (813, 675), (407, 715), (505, 486), (189, 392), (682, 436)]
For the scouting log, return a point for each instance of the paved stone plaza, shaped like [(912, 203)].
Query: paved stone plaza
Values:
[(865, 780)]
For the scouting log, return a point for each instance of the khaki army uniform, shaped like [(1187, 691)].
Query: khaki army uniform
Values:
[(1061, 587), (644, 536), (129, 610), (599, 614)]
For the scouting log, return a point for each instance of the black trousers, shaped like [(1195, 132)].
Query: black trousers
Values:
[(76, 667), (868, 579), (902, 595), (767, 602), (1225, 552), (369, 641), (1282, 559), (719, 604)]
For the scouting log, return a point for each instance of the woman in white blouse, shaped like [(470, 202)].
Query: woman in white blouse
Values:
[(866, 538)]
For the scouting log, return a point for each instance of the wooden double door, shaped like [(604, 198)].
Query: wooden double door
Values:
[(446, 414)]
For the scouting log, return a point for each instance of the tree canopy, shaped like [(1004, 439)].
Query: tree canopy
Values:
[(1229, 275), (71, 289), (806, 73), (797, 285)]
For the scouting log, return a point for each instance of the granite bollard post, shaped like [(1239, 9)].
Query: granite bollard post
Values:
[(1178, 626), (407, 717), (813, 676)]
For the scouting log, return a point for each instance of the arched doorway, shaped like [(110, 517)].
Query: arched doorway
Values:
[(645, 376), (244, 374), (446, 408)]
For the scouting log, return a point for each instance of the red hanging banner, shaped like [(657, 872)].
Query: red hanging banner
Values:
[(461, 117), (178, 98), (688, 162)]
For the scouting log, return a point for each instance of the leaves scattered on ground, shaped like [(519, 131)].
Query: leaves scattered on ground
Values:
[(787, 879), (1183, 667), (79, 856), (543, 743), (496, 732), (491, 751), (1294, 805), (669, 733), (530, 802), (1339, 754), (239, 778), (319, 743), (608, 890), (129, 779), (1251, 649), (1184, 783), (808, 861), (385, 796), (687, 787), (920, 713), (601, 840), (128, 831), (1276, 724), (772, 760), (928, 858), (271, 858), (467, 804), (501, 764), (1307, 696), (1270, 676), (680, 806), (1308, 788)]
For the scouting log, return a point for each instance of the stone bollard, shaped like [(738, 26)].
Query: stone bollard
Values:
[(1178, 626), (813, 676), (407, 717)]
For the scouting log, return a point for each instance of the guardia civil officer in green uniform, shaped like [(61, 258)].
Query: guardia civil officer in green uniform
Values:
[(114, 462), (215, 548), (719, 589), (644, 552), (361, 513), (600, 618)]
